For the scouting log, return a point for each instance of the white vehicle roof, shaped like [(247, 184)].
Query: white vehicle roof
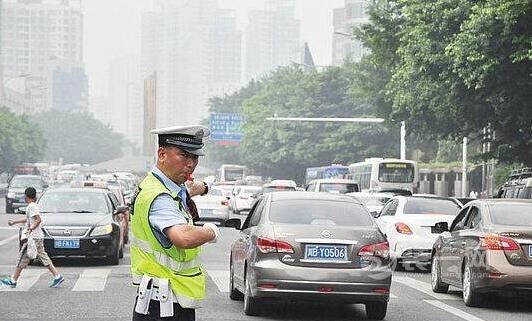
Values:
[(334, 180)]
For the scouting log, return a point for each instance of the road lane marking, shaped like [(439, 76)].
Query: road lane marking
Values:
[(9, 239), (423, 287), (27, 279), (92, 280), (457, 312), (220, 278)]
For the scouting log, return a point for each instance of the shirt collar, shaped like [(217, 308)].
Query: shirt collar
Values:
[(171, 185)]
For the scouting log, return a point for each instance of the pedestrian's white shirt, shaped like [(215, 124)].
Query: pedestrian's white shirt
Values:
[(31, 212)]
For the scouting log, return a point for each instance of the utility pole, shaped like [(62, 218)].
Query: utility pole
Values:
[(403, 140), (464, 167)]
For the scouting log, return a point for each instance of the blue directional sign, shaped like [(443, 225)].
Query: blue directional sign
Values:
[(226, 127)]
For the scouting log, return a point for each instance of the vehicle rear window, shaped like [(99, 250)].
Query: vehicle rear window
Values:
[(340, 188), (319, 212), (431, 206), (278, 188), (511, 214)]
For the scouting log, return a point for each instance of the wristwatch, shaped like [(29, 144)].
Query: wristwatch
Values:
[(206, 189)]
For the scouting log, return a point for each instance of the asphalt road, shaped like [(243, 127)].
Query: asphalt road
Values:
[(97, 292)]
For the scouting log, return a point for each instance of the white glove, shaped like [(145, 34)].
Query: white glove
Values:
[(214, 228)]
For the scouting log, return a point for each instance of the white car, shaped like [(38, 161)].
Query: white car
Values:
[(242, 198), (213, 207), (374, 202), (409, 225), (333, 185)]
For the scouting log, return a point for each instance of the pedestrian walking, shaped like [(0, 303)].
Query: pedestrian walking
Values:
[(32, 232), (165, 243)]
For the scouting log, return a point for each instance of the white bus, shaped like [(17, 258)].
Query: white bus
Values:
[(385, 174), (231, 173)]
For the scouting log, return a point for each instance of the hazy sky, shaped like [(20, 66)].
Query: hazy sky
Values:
[(112, 30)]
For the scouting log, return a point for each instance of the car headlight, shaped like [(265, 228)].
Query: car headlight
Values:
[(10, 195), (102, 230)]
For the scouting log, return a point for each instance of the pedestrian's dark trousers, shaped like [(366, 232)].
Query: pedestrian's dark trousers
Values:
[(180, 314)]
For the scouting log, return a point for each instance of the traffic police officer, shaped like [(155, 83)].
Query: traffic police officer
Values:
[(165, 244)]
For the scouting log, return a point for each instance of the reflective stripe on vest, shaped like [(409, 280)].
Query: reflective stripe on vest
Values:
[(184, 301), (162, 258)]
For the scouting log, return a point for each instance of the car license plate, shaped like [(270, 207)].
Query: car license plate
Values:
[(66, 244), (326, 252)]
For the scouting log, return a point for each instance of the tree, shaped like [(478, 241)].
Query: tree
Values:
[(78, 138), (454, 67), (20, 140), (282, 149)]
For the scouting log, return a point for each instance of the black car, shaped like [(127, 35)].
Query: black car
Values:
[(83, 222), (15, 190)]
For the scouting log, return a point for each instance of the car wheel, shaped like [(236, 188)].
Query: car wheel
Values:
[(234, 294), (376, 310), (251, 304), (435, 272), (114, 259), (470, 294)]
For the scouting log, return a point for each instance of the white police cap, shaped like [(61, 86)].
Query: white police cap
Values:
[(187, 138)]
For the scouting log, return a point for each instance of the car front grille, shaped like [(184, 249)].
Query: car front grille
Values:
[(67, 231)]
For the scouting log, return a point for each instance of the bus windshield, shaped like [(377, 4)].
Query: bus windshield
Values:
[(396, 173)]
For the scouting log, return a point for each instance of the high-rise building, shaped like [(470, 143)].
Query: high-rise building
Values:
[(37, 37), (125, 99), (195, 49), (69, 89), (345, 46), (272, 38)]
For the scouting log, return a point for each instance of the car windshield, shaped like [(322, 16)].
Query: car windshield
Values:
[(372, 200), (215, 192), (519, 214), (340, 188), (73, 202), (319, 212), (431, 206), (23, 182)]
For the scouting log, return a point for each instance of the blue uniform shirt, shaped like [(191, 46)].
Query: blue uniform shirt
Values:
[(164, 211)]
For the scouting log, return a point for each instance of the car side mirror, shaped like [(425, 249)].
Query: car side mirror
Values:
[(234, 223), (440, 227), (228, 198), (375, 214)]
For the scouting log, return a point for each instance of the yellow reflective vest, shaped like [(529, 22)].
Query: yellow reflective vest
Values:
[(149, 257)]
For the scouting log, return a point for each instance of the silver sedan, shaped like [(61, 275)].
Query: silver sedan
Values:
[(310, 247)]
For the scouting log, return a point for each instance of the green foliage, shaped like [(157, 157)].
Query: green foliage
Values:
[(78, 138), (285, 149), (451, 67), (20, 140)]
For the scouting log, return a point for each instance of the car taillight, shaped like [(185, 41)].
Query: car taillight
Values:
[(495, 242), (267, 245), (225, 202), (403, 228), (380, 250)]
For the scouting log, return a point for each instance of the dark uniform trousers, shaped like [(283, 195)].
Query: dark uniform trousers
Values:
[(180, 314)]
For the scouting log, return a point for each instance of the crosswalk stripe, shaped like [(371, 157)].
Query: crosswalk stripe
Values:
[(92, 280), (27, 279), (9, 239), (459, 313), (423, 287), (220, 278)]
